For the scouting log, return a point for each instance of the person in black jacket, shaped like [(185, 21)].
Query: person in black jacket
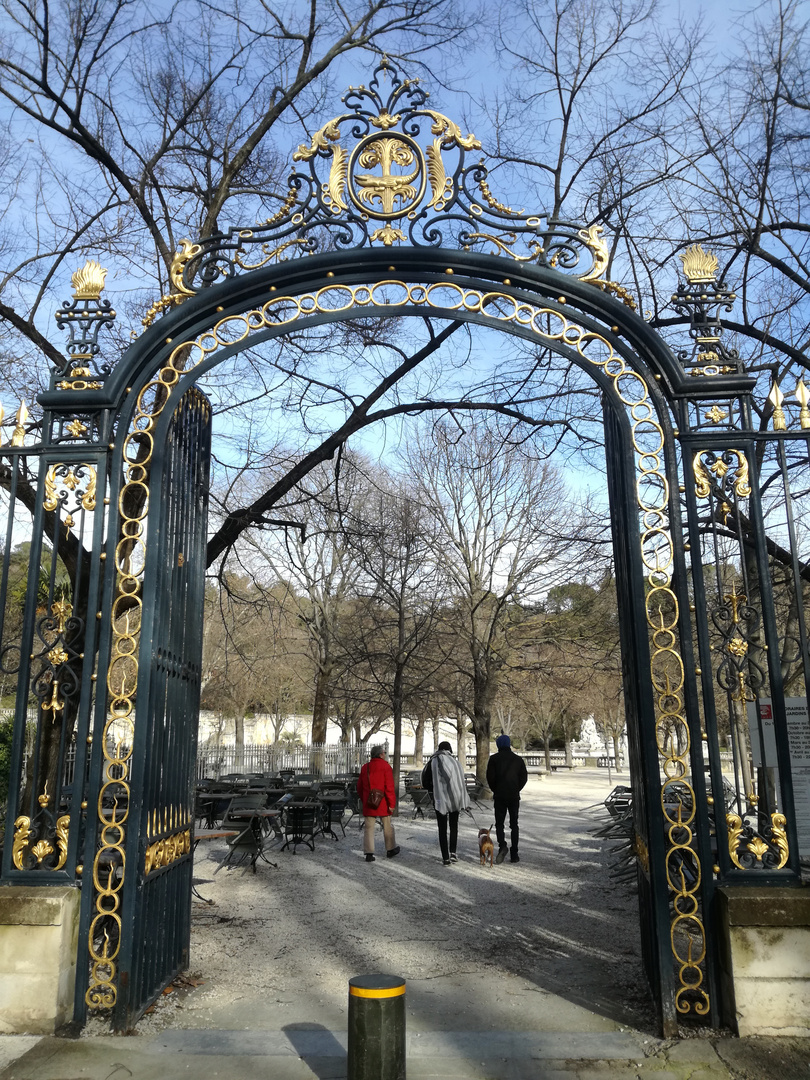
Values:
[(506, 777)]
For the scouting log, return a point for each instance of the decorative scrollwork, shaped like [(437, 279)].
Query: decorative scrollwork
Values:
[(389, 170), (83, 317), (730, 470), (32, 845), (702, 297), (70, 488), (737, 623), (749, 848)]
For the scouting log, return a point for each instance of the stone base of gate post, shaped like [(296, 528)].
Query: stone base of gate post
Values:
[(765, 959), (39, 933)]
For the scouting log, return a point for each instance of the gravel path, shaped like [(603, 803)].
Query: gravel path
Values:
[(549, 940)]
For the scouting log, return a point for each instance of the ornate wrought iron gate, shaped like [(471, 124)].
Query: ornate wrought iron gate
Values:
[(137, 932), (711, 558)]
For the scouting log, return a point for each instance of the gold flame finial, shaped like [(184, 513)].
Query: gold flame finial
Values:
[(699, 265), (89, 281)]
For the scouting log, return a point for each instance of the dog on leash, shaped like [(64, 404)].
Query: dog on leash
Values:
[(485, 846)]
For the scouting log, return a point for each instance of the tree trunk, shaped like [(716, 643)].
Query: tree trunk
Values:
[(419, 744), (239, 740), (483, 694), (396, 699), (617, 750), (320, 707), (436, 733)]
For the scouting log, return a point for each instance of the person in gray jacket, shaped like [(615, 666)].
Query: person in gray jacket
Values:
[(444, 779), (506, 777)]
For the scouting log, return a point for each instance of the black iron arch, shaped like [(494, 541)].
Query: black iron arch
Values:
[(469, 276), (595, 310)]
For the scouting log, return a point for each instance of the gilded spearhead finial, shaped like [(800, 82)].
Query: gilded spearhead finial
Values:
[(89, 281), (699, 265)]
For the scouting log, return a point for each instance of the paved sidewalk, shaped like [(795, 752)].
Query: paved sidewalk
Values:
[(303, 1051)]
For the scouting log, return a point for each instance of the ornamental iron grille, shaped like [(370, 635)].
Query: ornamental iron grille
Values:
[(386, 218)]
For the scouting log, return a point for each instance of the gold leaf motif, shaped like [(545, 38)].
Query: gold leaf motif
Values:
[(741, 484), (76, 428), (330, 132), (337, 179), (599, 249), (388, 235), (451, 132), (41, 850), (385, 120), (735, 828), (89, 497), (778, 823), (187, 251), (440, 185), (62, 826), (757, 847), (51, 500), (715, 414), (22, 830), (89, 281), (286, 206), (703, 484), (699, 265), (493, 203)]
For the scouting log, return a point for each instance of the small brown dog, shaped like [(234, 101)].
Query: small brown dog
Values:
[(485, 846)]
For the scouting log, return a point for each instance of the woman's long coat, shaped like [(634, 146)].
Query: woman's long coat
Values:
[(378, 774)]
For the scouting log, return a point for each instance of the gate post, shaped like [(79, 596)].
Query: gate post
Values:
[(39, 930)]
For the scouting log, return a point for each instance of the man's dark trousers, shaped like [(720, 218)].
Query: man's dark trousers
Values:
[(442, 819), (502, 807)]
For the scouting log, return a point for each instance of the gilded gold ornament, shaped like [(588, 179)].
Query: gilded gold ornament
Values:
[(88, 282), (598, 248), (20, 420), (22, 831), (330, 132), (699, 265)]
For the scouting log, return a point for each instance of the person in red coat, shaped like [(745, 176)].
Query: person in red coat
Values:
[(377, 775)]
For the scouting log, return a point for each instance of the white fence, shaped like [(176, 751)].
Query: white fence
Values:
[(327, 760)]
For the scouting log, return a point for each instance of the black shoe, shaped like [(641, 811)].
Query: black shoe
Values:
[(394, 851), (453, 857), (502, 850), (514, 857), (369, 858), (446, 862)]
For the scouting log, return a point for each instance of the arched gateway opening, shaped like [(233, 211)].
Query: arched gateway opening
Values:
[(386, 219)]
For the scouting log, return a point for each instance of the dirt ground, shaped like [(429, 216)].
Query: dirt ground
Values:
[(555, 923)]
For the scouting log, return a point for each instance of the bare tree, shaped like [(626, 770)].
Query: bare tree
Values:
[(319, 564), (500, 513), (392, 540)]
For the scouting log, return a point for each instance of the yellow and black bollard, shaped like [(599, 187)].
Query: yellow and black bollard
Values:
[(376, 1028)]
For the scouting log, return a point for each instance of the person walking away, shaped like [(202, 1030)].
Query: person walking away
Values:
[(375, 786), (506, 778), (444, 779)]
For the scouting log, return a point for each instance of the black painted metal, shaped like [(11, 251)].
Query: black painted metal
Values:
[(156, 900)]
